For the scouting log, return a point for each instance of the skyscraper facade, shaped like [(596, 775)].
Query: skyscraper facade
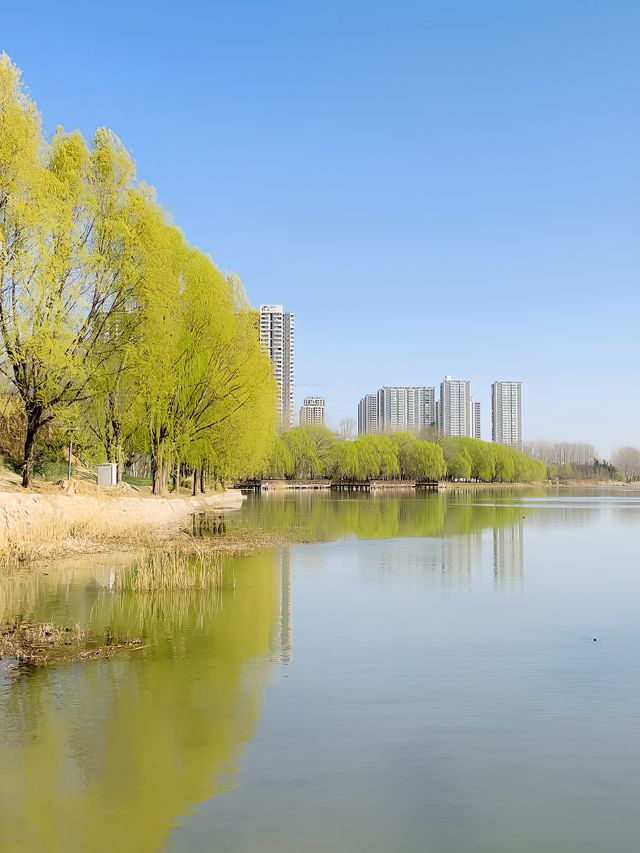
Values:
[(506, 413), (476, 421), (368, 414), (312, 411), (397, 408), (277, 337), (455, 407)]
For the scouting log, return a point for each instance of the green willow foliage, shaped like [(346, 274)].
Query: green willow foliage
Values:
[(310, 452), (110, 322)]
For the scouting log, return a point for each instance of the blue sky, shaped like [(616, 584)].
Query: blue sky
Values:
[(432, 187)]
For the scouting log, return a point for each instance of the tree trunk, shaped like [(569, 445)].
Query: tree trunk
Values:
[(159, 476), (119, 463), (202, 480), (34, 419), (195, 483), (155, 476), (113, 451)]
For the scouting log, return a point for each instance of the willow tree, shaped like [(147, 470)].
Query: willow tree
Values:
[(505, 467), (278, 464), (230, 404), (155, 358), (112, 415), (422, 460), (304, 453), (207, 388), (65, 260), (344, 462), (457, 458), (377, 457)]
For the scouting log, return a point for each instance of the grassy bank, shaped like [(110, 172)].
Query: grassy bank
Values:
[(62, 542), (58, 521)]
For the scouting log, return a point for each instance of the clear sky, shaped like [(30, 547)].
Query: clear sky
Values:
[(432, 187)]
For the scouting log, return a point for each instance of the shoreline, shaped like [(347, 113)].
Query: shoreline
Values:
[(72, 520), (457, 485), (52, 524)]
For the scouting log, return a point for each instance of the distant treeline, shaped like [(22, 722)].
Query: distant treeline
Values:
[(311, 452), (562, 452), (577, 460)]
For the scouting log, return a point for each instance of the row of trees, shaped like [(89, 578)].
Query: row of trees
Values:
[(580, 461), (597, 470), (111, 324), (562, 452), (313, 452)]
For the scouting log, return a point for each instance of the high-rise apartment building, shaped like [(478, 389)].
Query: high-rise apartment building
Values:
[(277, 337), (476, 421), (368, 414), (455, 407), (397, 408), (312, 411), (506, 413)]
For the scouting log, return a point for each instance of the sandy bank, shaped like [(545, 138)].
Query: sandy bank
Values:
[(36, 524)]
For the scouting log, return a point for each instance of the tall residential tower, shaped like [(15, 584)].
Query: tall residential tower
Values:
[(368, 414), (277, 337), (506, 413), (397, 409), (312, 411), (476, 419), (455, 416)]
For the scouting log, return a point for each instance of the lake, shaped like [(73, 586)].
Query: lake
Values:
[(440, 672)]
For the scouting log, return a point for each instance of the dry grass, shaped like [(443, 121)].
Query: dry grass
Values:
[(55, 539), (179, 568), (44, 643), (38, 527)]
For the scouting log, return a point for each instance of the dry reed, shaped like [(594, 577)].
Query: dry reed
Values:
[(184, 566), (54, 537), (45, 642), (26, 543)]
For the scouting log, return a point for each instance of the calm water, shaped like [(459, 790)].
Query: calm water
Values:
[(425, 679)]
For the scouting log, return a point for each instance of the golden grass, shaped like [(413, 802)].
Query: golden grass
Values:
[(54, 536), (182, 567)]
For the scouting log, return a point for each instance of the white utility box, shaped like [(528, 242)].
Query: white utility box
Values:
[(108, 474)]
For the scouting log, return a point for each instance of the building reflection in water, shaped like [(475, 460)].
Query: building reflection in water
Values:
[(461, 561), (283, 640), (449, 564), (508, 557)]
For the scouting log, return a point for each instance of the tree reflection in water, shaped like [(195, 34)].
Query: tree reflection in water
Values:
[(106, 755)]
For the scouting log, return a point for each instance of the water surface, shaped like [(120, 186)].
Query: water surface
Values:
[(425, 678)]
